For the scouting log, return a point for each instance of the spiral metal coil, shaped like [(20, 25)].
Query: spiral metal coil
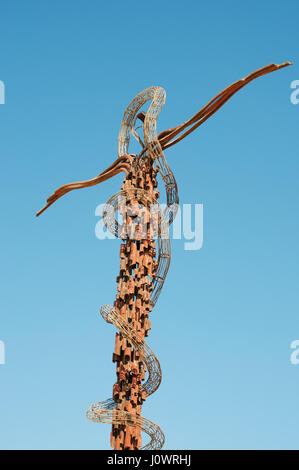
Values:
[(105, 411)]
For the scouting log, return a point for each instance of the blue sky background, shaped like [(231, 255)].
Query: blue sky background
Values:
[(223, 325)]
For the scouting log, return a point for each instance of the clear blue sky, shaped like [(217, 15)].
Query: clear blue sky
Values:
[(223, 325)]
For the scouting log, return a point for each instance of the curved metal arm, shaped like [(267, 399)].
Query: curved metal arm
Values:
[(167, 137), (121, 164)]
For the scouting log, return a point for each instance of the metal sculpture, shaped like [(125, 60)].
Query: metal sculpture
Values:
[(142, 272)]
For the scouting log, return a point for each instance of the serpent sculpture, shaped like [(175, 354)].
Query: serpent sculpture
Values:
[(106, 411), (143, 269)]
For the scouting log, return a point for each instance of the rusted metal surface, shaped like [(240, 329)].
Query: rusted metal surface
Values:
[(144, 256)]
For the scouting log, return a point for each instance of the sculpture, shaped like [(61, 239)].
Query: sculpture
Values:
[(142, 272)]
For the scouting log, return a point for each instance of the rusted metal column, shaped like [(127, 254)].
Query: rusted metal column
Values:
[(137, 266)]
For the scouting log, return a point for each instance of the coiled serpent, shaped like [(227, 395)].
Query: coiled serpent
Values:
[(105, 411)]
